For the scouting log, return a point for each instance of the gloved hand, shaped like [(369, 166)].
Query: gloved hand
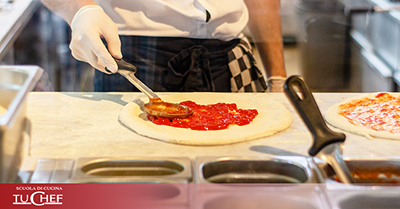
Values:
[(89, 25), (275, 83)]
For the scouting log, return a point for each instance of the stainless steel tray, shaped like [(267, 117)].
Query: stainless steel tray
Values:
[(147, 170), (366, 171), (364, 198), (283, 182), (15, 83), (254, 170), (228, 182), (152, 182), (299, 196)]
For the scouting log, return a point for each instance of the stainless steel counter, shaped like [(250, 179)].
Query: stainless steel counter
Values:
[(73, 125)]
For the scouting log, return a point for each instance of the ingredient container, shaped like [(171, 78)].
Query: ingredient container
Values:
[(139, 170), (366, 171), (15, 84), (254, 170)]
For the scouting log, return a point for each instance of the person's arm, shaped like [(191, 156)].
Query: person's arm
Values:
[(89, 24), (66, 8), (265, 29)]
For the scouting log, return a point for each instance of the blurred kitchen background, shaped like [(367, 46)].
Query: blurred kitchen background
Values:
[(336, 45)]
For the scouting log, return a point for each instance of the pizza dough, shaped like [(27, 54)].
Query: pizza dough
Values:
[(272, 118), (335, 119)]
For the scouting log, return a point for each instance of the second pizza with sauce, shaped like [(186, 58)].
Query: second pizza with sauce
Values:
[(376, 115)]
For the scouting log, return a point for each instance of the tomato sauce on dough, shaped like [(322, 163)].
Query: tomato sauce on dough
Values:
[(210, 117), (380, 113)]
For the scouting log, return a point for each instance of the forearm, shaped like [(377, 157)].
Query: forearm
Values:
[(265, 29), (67, 8)]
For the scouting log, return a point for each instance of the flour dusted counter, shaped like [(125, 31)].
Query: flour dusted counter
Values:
[(72, 125)]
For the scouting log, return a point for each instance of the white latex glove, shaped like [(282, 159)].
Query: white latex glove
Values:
[(275, 83), (89, 25)]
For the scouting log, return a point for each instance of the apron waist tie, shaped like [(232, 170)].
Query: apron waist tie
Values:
[(189, 71)]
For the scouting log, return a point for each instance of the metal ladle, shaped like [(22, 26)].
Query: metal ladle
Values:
[(156, 107)]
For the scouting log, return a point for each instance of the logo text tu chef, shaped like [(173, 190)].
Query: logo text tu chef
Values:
[(38, 197)]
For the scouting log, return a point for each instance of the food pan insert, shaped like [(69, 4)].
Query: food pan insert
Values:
[(246, 200), (15, 84), (366, 171), (162, 170), (254, 170), (387, 198)]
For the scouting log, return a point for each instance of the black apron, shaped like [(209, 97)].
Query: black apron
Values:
[(177, 65)]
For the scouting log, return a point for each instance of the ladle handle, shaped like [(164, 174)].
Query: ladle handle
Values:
[(307, 108), (128, 70)]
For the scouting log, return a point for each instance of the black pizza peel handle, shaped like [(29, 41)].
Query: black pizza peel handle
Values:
[(307, 108)]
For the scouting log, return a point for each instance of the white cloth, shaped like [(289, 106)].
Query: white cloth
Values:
[(178, 18)]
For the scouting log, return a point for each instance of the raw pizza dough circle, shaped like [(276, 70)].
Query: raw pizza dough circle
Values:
[(335, 119), (272, 118)]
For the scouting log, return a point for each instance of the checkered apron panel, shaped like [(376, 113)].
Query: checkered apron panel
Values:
[(246, 77)]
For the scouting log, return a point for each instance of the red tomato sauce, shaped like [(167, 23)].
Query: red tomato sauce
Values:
[(210, 117), (381, 113), (376, 175)]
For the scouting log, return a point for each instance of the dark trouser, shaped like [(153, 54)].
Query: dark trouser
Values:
[(173, 64)]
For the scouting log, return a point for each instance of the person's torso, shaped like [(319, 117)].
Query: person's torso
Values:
[(222, 19)]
